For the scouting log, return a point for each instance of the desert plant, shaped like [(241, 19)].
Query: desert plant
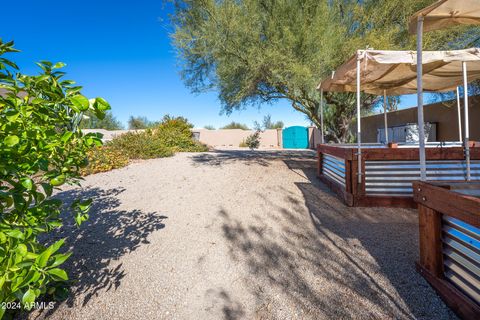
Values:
[(253, 140), (171, 135), (104, 158), (41, 148), (243, 144), (236, 125), (209, 127), (139, 145), (137, 123), (175, 133)]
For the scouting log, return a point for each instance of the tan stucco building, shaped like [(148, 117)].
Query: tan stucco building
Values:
[(443, 114)]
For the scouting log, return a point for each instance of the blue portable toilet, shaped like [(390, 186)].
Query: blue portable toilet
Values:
[(295, 137)]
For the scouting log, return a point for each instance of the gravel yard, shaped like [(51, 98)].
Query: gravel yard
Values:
[(238, 235)]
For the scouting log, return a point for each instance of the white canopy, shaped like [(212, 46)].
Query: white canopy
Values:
[(394, 72), (446, 13)]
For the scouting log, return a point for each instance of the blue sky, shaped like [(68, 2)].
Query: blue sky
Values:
[(121, 50)]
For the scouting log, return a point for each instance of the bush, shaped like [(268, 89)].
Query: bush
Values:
[(243, 144), (170, 136), (139, 145), (236, 125), (253, 140), (104, 158), (41, 148)]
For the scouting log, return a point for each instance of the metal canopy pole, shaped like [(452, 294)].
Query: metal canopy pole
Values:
[(459, 114), (321, 117), (359, 130), (467, 129), (385, 115), (421, 124)]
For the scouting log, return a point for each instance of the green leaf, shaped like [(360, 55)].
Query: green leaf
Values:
[(42, 259), (60, 258), (12, 115), (27, 183), (22, 249), (58, 273), (11, 140), (58, 180), (59, 65), (28, 297), (15, 233), (80, 102), (101, 104), (3, 237), (66, 136), (47, 188)]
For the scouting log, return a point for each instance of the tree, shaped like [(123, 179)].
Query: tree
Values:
[(236, 125), (209, 127), (41, 148), (109, 122), (260, 51), (136, 123), (267, 124)]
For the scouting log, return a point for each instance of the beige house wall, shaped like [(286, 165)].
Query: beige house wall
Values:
[(444, 114)]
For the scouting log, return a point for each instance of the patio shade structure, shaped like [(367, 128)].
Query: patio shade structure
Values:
[(382, 72), (441, 14), (446, 13)]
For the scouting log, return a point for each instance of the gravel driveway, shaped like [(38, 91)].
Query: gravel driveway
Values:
[(239, 235)]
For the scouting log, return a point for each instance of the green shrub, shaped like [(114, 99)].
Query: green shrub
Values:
[(243, 144), (253, 140), (171, 135), (104, 158), (41, 148), (236, 125), (140, 145)]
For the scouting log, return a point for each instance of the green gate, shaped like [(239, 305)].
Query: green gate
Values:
[(295, 137)]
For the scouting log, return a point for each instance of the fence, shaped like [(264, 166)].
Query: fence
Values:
[(449, 229)]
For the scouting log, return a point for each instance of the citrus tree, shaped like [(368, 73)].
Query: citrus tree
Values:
[(41, 148)]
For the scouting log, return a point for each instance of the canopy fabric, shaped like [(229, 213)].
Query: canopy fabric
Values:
[(445, 13), (394, 72)]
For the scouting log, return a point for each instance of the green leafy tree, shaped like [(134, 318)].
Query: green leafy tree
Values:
[(236, 125), (209, 127), (41, 148), (267, 124), (136, 123), (91, 121), (260, 51)]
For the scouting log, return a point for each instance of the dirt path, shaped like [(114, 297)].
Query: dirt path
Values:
[(239, 235)]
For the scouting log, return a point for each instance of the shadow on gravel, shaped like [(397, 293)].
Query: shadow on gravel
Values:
[(104, 238), (248, 157), (331, 261), (232, 310)]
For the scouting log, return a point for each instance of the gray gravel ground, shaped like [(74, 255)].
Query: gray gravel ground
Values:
[(239, 235)]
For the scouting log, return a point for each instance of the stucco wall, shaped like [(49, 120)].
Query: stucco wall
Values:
[(233, 137), (444, 114), (227, 138)]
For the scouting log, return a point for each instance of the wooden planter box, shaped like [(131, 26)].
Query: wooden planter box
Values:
[(449, 225), (388, 173)]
